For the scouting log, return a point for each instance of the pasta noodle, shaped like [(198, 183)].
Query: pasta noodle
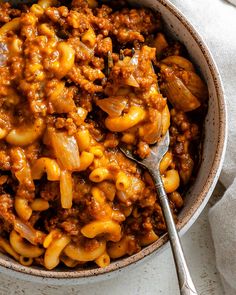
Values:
[(39, 205), (23, 247), (10, 26), (132, 118), (26, 135), (66, 60), (23, 209), (100, 174), (96, 228), (26, 260), (103, 260), (52, 254), (89, 37), (47, 165), (80, 254), (8, 249), (119, 249)]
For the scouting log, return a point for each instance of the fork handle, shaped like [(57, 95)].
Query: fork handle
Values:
[(186, 284)]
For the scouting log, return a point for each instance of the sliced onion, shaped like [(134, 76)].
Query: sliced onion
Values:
[(131, 81), (3, 60), (179, 61), (176, 92), (23, 173), (196, 86), (113, 106), (186, 174), (28, 232), (66, 149), (85, 49), (135, 58), (66, 189)]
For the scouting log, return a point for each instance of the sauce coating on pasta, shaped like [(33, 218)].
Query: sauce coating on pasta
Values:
[(76, 81)]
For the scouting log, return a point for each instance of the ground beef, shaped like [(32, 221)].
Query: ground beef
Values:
[(6, 208)]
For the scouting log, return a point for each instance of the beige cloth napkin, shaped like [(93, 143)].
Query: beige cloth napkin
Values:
[(232, 1), (215, 20)]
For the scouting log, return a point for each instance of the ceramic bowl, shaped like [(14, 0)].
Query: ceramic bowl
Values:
[(200, 192)]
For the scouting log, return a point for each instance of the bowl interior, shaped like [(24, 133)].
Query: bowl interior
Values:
[(213, 151)]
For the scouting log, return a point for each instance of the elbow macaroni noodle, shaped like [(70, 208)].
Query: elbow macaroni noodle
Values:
[(8, 249), (39, 205), (69, 262), (65, 61), (47, 165), (23, 209), (81, 254), (10, 26), (95, 228), (89, 38), (54, 250), (69, 96), (86, 160), (23, 247), (103, 260), (119, 249), (27, 261), (132, 118), (100, 174), (23, 136)]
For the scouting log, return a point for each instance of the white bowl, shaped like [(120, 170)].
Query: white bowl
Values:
[(198, 195)]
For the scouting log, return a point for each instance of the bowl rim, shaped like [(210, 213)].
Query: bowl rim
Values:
[(63, 277)]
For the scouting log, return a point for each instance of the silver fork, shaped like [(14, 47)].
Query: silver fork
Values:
[(151, 163)]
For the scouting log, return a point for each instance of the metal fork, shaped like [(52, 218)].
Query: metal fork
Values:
[(151, 163)]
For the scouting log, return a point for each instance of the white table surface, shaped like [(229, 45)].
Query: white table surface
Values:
[(154, 277)]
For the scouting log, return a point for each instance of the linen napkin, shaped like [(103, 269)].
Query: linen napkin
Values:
[(232, 1), (215, 20)]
